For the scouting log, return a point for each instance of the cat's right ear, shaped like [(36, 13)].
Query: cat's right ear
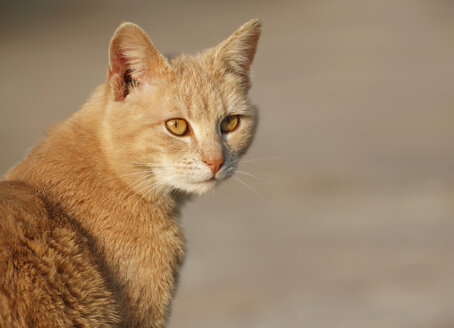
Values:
[(133, 59)]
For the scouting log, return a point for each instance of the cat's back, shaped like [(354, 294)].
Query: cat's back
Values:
[(49, 273)]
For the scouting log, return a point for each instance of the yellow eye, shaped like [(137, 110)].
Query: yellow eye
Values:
[(177, 126), (230, 123)]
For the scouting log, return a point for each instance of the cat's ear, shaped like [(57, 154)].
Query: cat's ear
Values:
[(236, 53), (133, 59)]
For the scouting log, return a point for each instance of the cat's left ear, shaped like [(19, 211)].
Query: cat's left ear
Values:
[(133, 59), (236, 53)]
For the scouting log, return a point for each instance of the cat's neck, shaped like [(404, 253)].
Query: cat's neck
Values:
[(69, 168)]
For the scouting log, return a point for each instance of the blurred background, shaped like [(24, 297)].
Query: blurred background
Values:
[(349, 218)]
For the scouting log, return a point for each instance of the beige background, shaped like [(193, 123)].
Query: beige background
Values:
[(354, 224)]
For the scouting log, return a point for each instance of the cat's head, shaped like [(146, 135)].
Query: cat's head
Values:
[(181, 123)]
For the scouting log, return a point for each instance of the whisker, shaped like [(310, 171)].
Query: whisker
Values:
[(153, 185), (132, 210), (148, 190), (135, 173), (259, 159), (164, 193), (249, 187), (136, 184), (159, 164), (249, 174)]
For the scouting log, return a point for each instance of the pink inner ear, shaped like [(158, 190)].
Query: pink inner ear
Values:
[(121, 75), (118, 61)]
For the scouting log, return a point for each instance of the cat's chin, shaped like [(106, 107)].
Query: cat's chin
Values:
[(200, 187)]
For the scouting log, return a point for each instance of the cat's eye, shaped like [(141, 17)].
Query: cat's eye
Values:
[(177, 126), (230, 123)]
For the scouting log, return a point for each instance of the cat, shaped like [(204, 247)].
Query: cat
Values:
[(89, 230)]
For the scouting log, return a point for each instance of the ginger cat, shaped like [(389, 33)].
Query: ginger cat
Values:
[(89, 232)]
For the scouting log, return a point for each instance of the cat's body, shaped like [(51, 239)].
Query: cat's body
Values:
[(89, 235), (50, 272), (78, 179)]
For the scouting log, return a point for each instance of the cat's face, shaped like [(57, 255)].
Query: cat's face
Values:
[(181, 124)]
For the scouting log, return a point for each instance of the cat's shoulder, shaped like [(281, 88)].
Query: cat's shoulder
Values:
[(50, 276), (19, 202), (26, 214)]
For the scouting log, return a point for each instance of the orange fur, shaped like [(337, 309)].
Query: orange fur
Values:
[(88, 221)]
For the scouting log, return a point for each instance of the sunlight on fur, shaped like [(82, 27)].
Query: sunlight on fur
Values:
[(203, 90), (89, 231)]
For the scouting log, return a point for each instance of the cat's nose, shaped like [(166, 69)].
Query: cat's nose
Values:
[(214, 163)]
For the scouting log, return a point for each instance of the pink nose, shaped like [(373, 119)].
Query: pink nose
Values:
[(214, 163)]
